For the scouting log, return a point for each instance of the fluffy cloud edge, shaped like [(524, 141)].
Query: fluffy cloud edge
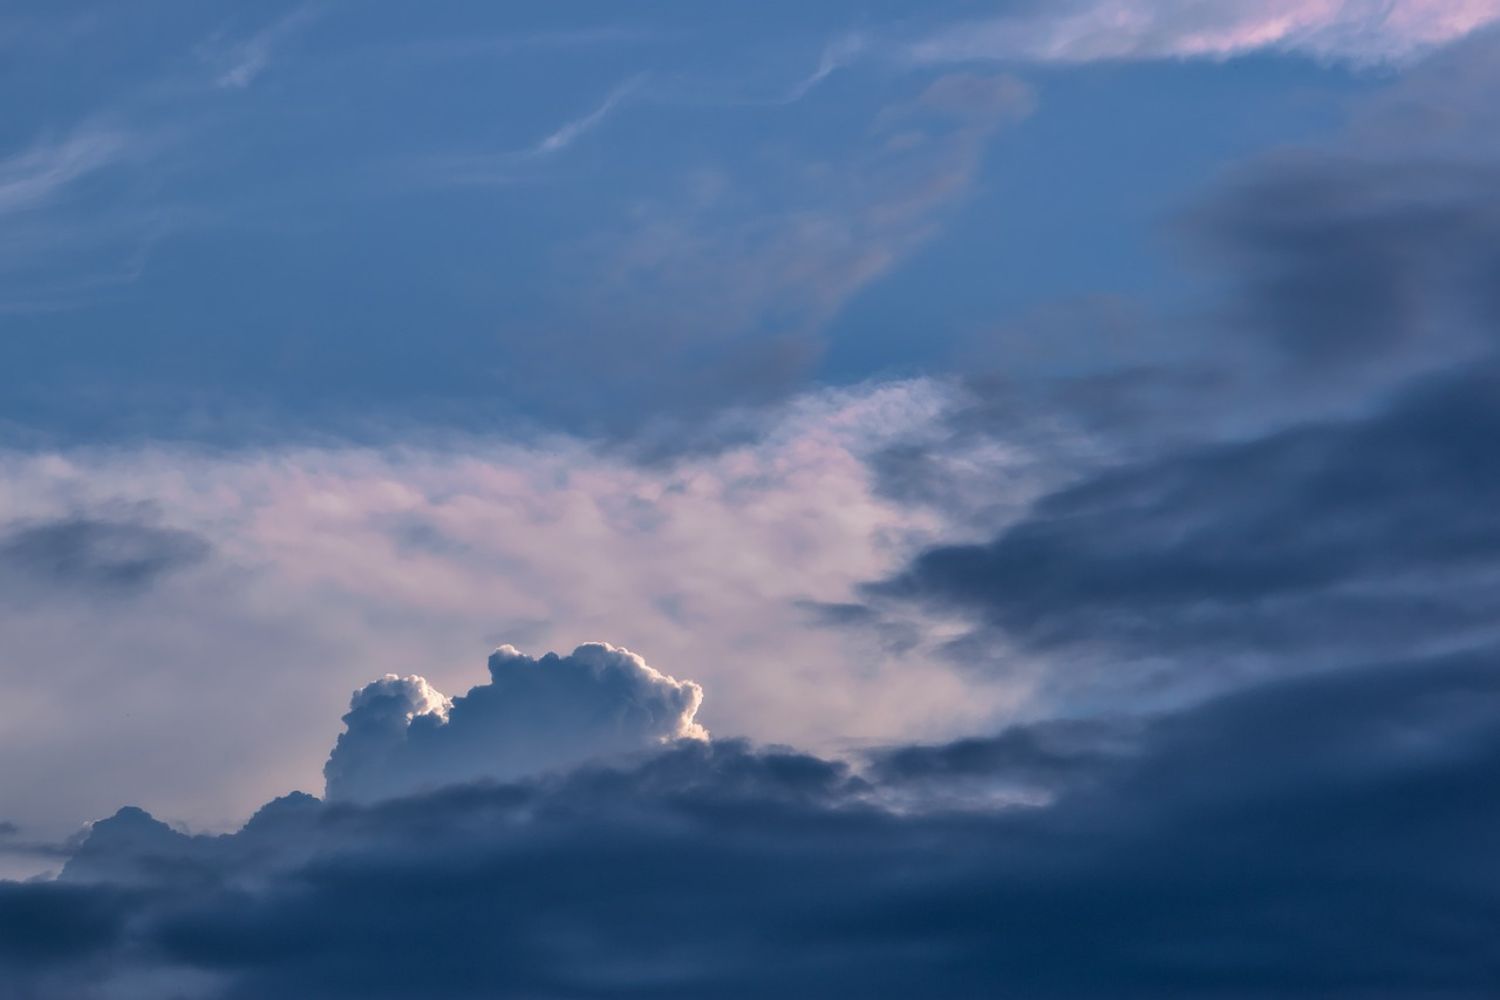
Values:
[(536, 714)]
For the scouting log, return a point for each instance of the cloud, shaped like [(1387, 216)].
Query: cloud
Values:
[(735, 272), (37, 175), (1358, 31), (1026, 764), (241, 63), (95, 555), (42, 924), (570, 132), (1318, 837), (1354, 263), (77, 215), (1373, 252), (509, 166), (534, 715), (1220, 537), (1319, 544), (836, 55)]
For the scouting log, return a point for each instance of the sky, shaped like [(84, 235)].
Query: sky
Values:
[(877, 499)]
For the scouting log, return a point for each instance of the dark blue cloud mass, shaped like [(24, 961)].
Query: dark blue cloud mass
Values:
[(1364, 532), (1325, 837)]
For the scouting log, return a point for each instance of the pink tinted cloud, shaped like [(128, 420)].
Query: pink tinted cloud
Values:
[(1359, 31)]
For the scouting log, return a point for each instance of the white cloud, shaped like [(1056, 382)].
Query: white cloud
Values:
[(535, 715), (1360, 31)]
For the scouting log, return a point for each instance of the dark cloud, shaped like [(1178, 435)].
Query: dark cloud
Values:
[(1032, 762), (1380, 249), (1318, 837), (43, 923), (1375, 533), (1344, 260), (401, 735), (95, 555)]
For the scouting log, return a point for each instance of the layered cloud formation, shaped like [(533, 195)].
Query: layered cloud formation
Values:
[(1178, 680), (1308, 838), (401, 735)]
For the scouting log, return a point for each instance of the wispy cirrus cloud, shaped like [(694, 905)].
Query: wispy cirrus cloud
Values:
[(66, 234), (38, 174), (759, 260), (1358, 31), (487, 168), (570, 132), (239, 63)]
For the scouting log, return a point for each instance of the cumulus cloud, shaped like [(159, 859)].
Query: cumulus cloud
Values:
[(401, 735), (1361, 31), (1321, 837)]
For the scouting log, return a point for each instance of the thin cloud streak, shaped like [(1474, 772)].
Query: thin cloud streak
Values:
[(35, 176), (1354, 31), (574, 130), (247, 60), (506, 167)]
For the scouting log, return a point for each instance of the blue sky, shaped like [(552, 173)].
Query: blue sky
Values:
[(671, 499), (347, 215)]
